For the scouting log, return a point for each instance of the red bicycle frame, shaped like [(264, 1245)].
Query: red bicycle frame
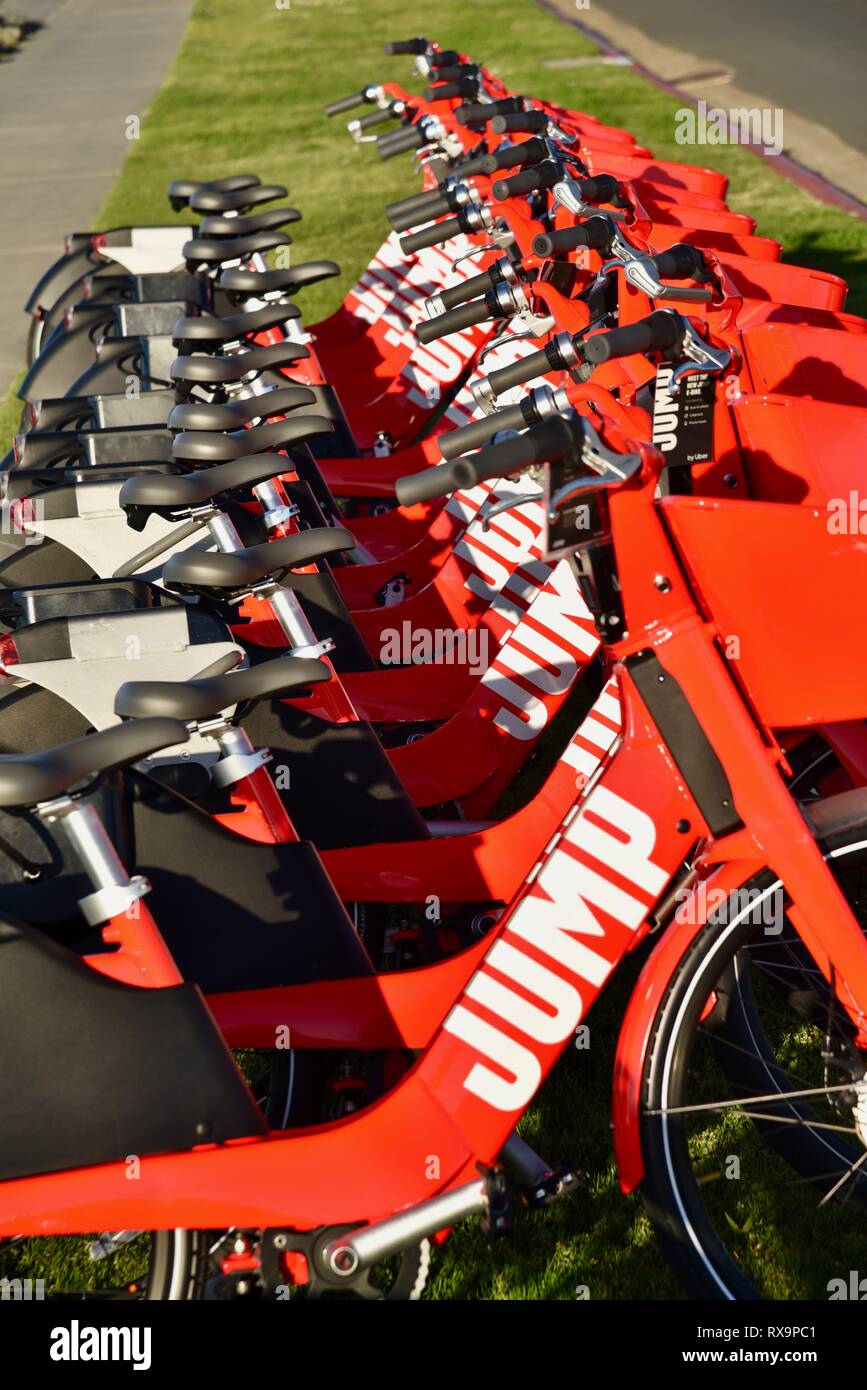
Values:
[(589, 900)]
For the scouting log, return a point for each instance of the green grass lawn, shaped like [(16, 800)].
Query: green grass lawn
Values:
[(246, 93), (247, 89)]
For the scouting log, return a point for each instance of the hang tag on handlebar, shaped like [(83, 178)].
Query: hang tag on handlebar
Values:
[(563, 275), (578, 523), (683, 423)]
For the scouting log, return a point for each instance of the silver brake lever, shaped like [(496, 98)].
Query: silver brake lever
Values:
[(639, 270), (607, 470), (535, 329), (503, 238), (505, 337), (506, 504), (567, 195), (700, 357), (558, 136), (476, 251)]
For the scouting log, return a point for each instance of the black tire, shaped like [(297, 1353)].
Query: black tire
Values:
[(718, 1255), (179, 1266)]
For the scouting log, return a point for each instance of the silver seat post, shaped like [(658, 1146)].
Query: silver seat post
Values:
[(287, 610), (115, 891)]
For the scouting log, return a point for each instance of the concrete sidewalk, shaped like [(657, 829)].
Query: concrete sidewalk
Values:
[(64, 102)]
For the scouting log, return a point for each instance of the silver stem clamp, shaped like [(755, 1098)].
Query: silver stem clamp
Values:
[(112, 900)]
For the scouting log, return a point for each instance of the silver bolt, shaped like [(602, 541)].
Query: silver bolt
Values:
[(344, 1260)]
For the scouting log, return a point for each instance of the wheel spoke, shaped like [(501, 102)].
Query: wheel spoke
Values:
[(717, 1105), (853, 1168)]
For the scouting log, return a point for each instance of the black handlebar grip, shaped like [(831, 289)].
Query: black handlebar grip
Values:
[(448, 91), (520, 122), (601, 188), (596, 233), (547, 441), (515, 156), (469, 289), (541, 443), (377, 117), (658, 331), (437, 205), (679, 262), (391, 50), (479, 432), (438, 481), (400, 141), (479, 113), (431, 236), (454, 72), (471, 164), (464, 316), (526, 369), (543, 175), (445, 58), (412, 200), (336, 108)]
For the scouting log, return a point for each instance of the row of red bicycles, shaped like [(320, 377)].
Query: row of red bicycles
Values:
[(373, 688)]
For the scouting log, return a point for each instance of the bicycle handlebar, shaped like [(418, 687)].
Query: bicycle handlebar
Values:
[(411, 201), (599, 188), (515, 156), (336, 108), (543, 175), (448, 91), (463, 316), (520, 122), (417, 46), (542, 443), (680, 262), (472, 164), (596, 233), (432, 236), (378, 117), (423, 209), (559, 355), (400, 141), (480, 112), (478, 432), (453, 72), (660, 330), (472, 287)]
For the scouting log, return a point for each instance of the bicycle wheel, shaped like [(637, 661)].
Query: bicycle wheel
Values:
[(110, 1265), (736, 1215)]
